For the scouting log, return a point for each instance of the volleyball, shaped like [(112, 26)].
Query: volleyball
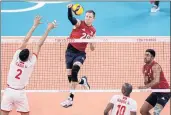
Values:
[(77, 9)]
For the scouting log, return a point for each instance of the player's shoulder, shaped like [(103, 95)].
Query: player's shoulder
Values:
[(82, 23), (33, 58), (16, 54), (156, 66), (34, 55), (18, 51), (132, 101), (116, 96), (155, 63), (93, 28), (144, 65)]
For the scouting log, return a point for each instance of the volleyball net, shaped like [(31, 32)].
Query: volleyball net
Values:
[(114, 61)]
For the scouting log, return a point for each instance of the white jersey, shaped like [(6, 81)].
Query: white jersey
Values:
[(19, 72), (123, 105)]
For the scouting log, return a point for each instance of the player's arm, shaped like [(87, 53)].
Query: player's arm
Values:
[(72, 19), (145, 77), (133, 108), (92, 45), (133, 113), (108, 108), (156, 74), (29, 34), (43, 38), (145, 80)]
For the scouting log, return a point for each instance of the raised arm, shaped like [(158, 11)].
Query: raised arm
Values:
[(29, 34), (72, 19), (43, 38)]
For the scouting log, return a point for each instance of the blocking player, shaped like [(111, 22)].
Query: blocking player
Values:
[(21, 68)]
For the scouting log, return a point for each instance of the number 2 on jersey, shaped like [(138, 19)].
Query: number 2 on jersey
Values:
[(85, 36), (19, 71), (121, 110)]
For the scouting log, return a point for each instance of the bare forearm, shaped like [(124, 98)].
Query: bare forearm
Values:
[(29, 34), (151, 84), (106, 113), (44, 37), (156, 73)]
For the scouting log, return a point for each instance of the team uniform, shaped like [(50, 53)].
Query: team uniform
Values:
[(18, 78), (123, 105), (156, 97), (76, 51)]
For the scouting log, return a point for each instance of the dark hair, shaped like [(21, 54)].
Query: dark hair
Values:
[(151, 51), (24, 54), (127, 88), (91, 11)]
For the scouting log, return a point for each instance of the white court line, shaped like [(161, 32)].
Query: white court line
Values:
[(95, 91), (37, 6), (49, 2), (16, 39), (96, 36)]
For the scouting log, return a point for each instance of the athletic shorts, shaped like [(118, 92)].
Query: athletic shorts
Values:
[(14, 98)]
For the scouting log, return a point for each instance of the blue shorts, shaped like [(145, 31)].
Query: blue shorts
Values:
[(71, 57)]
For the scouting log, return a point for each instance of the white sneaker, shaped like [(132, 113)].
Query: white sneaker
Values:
[(85, 84), (155, 8), (67, 103)]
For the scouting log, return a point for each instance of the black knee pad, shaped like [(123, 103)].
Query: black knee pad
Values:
[(69, 78), (75, 70)]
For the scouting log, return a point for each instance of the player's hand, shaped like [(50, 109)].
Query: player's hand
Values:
[(92, 47), (52, 25), (145, 83), (37, 20), (69, 5)]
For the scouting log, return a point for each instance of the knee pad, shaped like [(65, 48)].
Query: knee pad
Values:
[(69, 78), (75, 70), (157, 109)]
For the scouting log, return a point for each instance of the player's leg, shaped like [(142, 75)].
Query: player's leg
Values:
[(74, 81), (149, 103), (24, 113), (7, 102), (69, 57), (5, 112), (155, 7), (21, 103), (69, 64), (157, 3), (162, 99), (78, 62)]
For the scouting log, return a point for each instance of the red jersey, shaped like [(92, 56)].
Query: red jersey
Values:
[(148, 72), (82, 32)]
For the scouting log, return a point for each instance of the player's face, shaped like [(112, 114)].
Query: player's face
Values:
[(148, 57), (89, 18)]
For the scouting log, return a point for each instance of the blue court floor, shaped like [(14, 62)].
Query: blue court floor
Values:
[(112, 18)]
